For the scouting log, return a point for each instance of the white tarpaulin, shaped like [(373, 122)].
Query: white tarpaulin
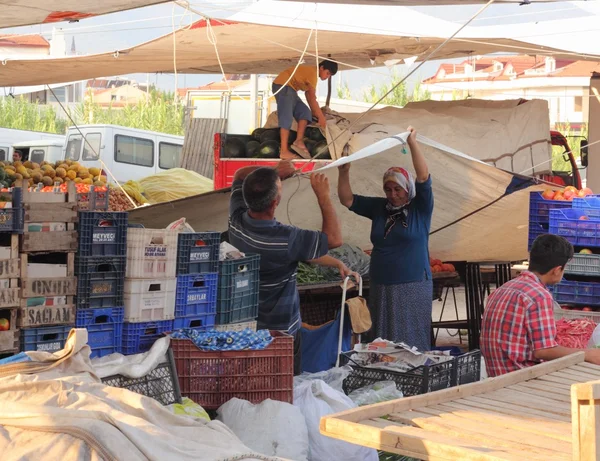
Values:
[(259, 41), (474, 217)]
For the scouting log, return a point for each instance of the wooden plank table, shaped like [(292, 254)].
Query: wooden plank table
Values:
[(524, 415)]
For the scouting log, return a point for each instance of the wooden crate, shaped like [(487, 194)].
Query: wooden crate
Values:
[(10, 268), (48, 287), (46, 311), (9, 340), (523, 415), (50, 207)]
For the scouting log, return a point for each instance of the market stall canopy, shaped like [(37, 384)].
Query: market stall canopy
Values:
[(259, 41), (428, 2), (27, 12), (481, 212)]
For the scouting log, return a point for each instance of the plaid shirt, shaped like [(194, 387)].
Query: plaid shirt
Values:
[(518, 320)]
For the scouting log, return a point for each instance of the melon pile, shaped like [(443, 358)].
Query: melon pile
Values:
[(48, 174)]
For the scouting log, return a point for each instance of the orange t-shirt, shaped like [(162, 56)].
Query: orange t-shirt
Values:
[(304, 79)]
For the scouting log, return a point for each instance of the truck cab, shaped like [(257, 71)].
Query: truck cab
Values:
[(565, 170)]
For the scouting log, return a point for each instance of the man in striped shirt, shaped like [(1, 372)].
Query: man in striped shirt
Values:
[(518, 328), (255, 195)]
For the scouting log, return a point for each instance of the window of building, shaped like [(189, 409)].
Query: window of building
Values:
[(91, 148), (578, 104), (60, 93), (136, 151), (73, 147), (168, 155), (113, 97)]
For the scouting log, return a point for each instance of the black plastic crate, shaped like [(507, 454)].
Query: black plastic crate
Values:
[(459, 370), (100, 282), (198, 252), (161, 383), (237, 300), (12, 219), (102, 233)]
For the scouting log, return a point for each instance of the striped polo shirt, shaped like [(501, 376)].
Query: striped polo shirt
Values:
[(280, 248)]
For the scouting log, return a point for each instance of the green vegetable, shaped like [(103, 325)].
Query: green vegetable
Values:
[(308, 274)]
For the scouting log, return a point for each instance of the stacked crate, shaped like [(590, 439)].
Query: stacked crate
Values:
[(47, 257), (150, 284), (197, 280), (11, 225), (100, 269), (539, 214)]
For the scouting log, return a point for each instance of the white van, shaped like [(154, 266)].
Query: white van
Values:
[(39, 151), (10, 136), (127, 153)]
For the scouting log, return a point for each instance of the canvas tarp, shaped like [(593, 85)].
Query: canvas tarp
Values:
[(55, 408), (258, 41), (474, 218)]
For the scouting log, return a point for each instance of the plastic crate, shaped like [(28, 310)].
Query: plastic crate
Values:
[(459, 370), (196, 294), (161, 383), (584, 264), (105, 329), (47, 339), (100, 282), (212, 378), (241, 326), (571, 292), (198, 252), (576, 314), (102, 233), (94, 200), (149, 299), (580, 232), (237, 300), (197, 322), (12, 219), (539, 214), (139, 337), (591, 204), (151, 253)]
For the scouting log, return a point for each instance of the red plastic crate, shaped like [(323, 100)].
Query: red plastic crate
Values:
[(212, 378)]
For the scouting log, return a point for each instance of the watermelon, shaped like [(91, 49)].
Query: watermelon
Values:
[(268, 149), (314, 134), (252, 148), (270, 135), (234, 148), (293, 136), (256, 133), (310, 144), (2, 174), (322, 149)]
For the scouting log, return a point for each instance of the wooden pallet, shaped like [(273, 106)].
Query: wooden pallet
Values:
[(9, 340), (524, 415), (48, 287)]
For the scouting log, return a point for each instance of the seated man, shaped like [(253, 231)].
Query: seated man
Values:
[(256, 193), (290, 106), (518, 328)]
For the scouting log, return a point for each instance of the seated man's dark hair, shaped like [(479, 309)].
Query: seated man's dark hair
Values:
[(549, 251), (260, 189), (330, 66)]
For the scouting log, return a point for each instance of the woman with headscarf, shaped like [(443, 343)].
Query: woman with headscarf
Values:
[(400, 276)]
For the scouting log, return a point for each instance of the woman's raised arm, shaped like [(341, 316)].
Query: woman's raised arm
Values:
[(344, 189), (418, 158)]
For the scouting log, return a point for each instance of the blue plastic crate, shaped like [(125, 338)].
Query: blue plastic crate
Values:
[(102, 233), (237, 300), (105, 329), (571, 292), (539, 214), (100, 282), (47, 339), (12, 219), (139, 337), (198, 322), (591, 204), (196, 294), (570, 225), (198, 252)]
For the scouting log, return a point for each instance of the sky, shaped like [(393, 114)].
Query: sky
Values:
[(124, 29)]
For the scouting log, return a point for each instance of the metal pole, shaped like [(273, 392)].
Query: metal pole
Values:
[(253, 101)]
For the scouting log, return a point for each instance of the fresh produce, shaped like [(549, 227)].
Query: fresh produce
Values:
[(438, 266), (234, 148), (31, 174), (568, 193), (308, 274), (574, 333), (118, 201), (321, 151), (292, 137), (269, 135), (4, 324), (252, 148), (315, 134), (268, 149), (257, 133), (586, 251)]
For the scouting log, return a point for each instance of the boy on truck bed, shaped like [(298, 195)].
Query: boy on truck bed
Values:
[(290, 106)]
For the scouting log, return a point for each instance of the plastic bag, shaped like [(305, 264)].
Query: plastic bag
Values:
[(333, 377), (376, 393), (594, 341), (272, 428), (189, 408), (316, 399)]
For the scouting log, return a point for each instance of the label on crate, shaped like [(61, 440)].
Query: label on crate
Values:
[(103, 288), (104, 237), (40, 316), (46, 227), (52, 287), (9, 267), (4, 283), (155, 251), (242, 283), (100, 338), (197, 298), (154, 302), (200, 255), (47, 301), (49, 347), (9, 297)]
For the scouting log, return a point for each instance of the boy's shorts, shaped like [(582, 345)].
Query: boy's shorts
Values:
[(290, 107)]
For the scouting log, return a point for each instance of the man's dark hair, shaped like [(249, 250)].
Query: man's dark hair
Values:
[(330, 66), (260, 189), (549, 251)]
